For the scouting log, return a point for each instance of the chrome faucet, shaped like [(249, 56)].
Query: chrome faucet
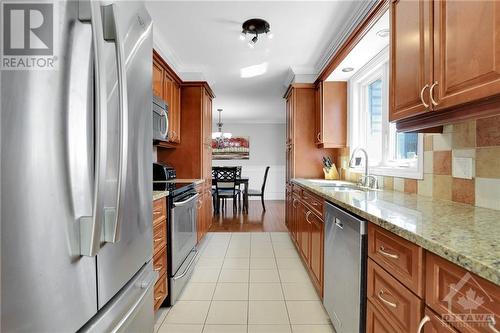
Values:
[(366, 180)]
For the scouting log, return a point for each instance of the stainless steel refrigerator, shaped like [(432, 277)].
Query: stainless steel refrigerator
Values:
[(76, 179)]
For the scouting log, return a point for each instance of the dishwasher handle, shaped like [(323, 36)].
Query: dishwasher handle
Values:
[(339, 223)]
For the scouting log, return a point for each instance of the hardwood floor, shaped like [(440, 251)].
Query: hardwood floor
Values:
[(256, 220)]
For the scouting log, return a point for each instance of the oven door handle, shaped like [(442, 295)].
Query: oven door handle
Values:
[(180, 276), (186, 202)]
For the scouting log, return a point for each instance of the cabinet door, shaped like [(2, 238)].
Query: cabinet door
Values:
[(289, 137), (318, 113), (316, 256), (168, 85), (305, 233), (466, 51), (411, 62), (176, 112), (157, 80), (331, 114), (296, 214), (208, 209)]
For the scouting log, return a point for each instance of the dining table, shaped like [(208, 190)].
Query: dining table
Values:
[(240, 181)]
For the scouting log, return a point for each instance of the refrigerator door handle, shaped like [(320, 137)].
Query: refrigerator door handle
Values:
[(91, 226), (112, 32)]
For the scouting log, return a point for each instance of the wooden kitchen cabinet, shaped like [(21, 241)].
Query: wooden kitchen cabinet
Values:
[(331, 114), (306, 228), (411, 62), (466, 47), (316, 251), (303, 157), (157, 79), (159, 245), (192, 157), (444, 66), (167, 86)]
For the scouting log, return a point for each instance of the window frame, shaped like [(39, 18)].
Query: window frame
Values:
[(376, 68)]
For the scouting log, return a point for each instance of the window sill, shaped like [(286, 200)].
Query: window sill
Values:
[(400, 172)]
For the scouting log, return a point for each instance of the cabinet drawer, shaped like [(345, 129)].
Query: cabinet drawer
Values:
[(314, 202), (455, 292), (297, 190), (376, 322), (160, 262), (160, 292), (392, 299), (404, 260), (432, 323), (159, 210), (159, 236)]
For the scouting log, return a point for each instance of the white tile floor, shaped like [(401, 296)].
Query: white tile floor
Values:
[(249, 283)]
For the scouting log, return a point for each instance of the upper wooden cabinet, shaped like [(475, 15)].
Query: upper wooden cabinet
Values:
[(303, 157), (411, 66), (466, 49), (167, 85), (443, 61), (331, 114)]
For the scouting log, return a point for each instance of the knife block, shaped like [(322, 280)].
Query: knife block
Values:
[(332, 173)]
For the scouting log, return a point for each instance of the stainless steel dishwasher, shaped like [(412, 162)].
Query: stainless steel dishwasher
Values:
[(345, 270)]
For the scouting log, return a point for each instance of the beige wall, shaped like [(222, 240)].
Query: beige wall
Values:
[(476, 139)]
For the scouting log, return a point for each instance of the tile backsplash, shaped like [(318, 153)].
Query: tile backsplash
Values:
[(448, 156)]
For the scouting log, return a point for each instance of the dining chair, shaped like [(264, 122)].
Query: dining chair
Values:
[(225, 186), (257, 193), (238, 175)]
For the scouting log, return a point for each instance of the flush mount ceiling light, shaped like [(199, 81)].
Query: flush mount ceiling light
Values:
[(347, 69), (255, 27), (383, 33)]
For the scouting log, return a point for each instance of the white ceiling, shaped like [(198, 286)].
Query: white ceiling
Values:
[(366, 49), (202, 37)]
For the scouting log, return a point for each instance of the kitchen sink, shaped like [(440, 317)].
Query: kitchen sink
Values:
[(338, 186)]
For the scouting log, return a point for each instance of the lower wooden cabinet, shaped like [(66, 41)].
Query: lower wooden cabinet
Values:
[(392, 298), (306, 228), (376, 322), (204, 211), (160, 263)]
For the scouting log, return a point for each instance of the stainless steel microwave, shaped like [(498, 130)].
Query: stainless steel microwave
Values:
[(160, 119)]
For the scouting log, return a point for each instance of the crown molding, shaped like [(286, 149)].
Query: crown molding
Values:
[(356, 18)]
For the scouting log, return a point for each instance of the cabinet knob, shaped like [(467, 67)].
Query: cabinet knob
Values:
[(431, 93), (422, 96)]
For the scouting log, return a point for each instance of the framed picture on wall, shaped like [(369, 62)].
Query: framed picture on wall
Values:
[(235, 148)]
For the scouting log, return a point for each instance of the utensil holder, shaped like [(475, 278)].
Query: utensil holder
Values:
[(331, 173)]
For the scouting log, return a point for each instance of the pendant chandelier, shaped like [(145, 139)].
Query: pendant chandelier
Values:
[(220, 135)]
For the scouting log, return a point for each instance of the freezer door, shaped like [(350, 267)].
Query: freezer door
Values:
[(127, 235), (131, 310), (46, 187)]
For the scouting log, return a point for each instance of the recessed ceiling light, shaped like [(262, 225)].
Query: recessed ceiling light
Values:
[(383, 33), (347, 69)]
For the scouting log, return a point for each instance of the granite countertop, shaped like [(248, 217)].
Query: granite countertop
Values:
[(159, 194), (463, 234)]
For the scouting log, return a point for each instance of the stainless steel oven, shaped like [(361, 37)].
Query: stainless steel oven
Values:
[(183, 237)]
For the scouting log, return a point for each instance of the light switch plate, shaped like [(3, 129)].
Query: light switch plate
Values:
[(462, 167)]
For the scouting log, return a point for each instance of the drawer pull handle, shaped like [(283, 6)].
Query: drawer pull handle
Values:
[(307, 216), (383, 252), (158, 268), (293, 203), (156, 240), (158, 298), (380, 293), (424, 321), (314, 203), (422, 96), (491, 324)]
